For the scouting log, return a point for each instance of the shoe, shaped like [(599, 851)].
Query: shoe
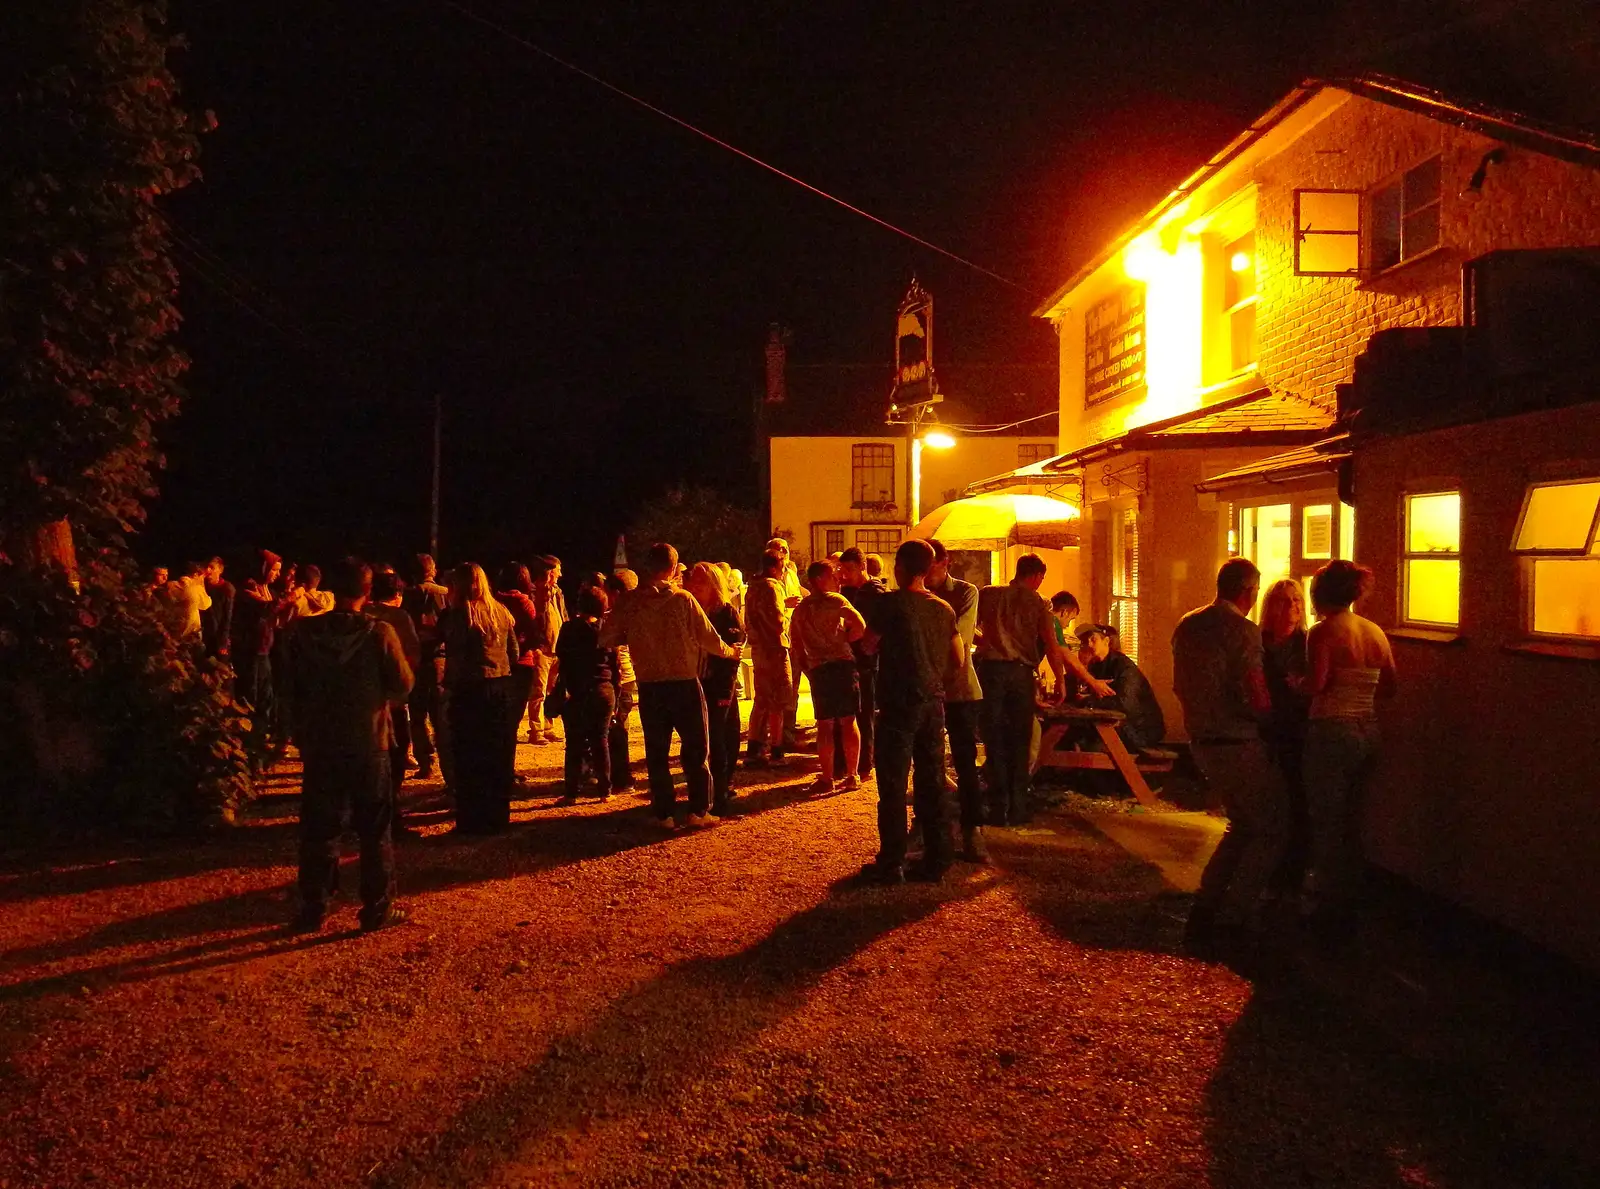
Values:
[(701, 821), (307, 920), (820, 786), (393, 915), (424, 771), (925, 872), (778, 755), (885, 874), (722, 806), (566, 801), (670, 825), (973, 849), (538, 740), (851, 783)]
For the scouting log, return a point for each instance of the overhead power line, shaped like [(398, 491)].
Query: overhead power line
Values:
[(533, 47)]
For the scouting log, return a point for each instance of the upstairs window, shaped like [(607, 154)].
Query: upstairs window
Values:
[(1327, 233), (1430, 578), (1559, 535), (1239, 300), (1029, 453), (871, 475), (1404, 216)]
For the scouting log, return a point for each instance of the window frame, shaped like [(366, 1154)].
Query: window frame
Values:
[(1359, 233), (1250, 302), (1049, 448), (1528, 561), (876, 547), (1403, 616), (862, 465), (1397, 182), (832, 541)]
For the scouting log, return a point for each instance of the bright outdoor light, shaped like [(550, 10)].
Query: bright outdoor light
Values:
[(1143, 258), (938, 439), (1240, 262)]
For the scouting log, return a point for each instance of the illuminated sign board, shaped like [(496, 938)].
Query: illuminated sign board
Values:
[(1114, 342)]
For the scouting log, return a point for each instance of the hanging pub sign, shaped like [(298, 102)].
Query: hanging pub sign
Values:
[(1114, 345), (913, 348)]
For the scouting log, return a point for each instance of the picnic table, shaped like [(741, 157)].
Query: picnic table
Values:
[(1056, 748)]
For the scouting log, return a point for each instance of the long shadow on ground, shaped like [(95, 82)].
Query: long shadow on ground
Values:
[(659, 1037)]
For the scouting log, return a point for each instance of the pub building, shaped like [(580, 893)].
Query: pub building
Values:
[(1201, 358)]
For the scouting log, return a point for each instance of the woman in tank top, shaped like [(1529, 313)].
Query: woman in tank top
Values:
[(1351, 666)]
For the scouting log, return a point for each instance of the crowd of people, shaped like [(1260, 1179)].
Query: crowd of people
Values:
[(375, 676)]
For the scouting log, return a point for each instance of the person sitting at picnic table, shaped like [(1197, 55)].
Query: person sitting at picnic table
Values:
[(1143, 725)]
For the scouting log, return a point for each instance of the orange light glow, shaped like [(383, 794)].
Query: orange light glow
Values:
[(938, 439), (1143, 258), (1240, 262)]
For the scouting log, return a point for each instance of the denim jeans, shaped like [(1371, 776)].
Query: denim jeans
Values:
[(337, 786), (1008, 719), (961, 720), (1339, 757), (588, 715), (722, 725), (911, 747), (867, 677), (621, 765), (665, 707)]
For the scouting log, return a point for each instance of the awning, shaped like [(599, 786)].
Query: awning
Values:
[(1257, 418), (995, 522), (1306, 462)]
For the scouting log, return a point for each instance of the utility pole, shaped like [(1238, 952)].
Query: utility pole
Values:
[(433, 511)]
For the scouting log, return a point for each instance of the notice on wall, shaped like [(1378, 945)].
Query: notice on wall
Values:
[(1114, 345)]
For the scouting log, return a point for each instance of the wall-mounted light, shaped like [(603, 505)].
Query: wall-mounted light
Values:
[(938, 439), (1241, 261), (1474, 186), (1143, 258)]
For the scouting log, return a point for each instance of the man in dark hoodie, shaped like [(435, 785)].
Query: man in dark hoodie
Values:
[(346, 670)]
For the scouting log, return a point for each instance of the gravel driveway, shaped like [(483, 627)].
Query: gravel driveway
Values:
[(585, 1001)]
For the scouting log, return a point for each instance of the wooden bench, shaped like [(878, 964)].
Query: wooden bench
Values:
[(1055, 751)]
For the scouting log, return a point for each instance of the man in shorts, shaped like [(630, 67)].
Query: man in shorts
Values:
[(767, 626), (821, 632)]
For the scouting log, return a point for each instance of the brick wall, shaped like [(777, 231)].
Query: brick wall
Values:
[(1311, 328)]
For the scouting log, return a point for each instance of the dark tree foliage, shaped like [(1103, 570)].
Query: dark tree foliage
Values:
[(106, 721), (93, 137), (701, 523)]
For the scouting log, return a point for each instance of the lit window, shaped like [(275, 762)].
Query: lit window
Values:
[(1347, 532), (1239, 300), (833, 541), (1029, 453), (1405, 215), (1125, 580), (1431, 580), (1327, 233), (1559, 532)]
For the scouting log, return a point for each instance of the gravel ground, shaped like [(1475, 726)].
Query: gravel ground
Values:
[(587, 1002)]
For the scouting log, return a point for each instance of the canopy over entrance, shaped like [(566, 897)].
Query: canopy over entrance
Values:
[(998, 521)]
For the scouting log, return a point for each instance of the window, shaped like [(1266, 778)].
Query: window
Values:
[(1405, 216), (1559, 533), (1265, 538), (871, 475), (1029, 453), (1125, 580), (1327, 233), (882, 541), (1347, 532), (1239, 300), (1431, 575), (832, 541)]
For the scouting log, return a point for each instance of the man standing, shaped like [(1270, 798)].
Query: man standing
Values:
[(346, 670), (855, 585), (824, 628), (425, 601), (385, 605), (914, 634), (767, 626), (216, 622), (1219, 681), (788, 579), (190, 601), (667, 633), (255, 629), (1015, 633), (963, 703)]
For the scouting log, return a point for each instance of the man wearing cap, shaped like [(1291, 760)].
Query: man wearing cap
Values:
[(1143, 724)]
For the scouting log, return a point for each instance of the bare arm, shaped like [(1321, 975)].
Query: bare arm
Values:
[(1319, 661), (855, 627)]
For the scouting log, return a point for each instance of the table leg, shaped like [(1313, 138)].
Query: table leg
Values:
[(1125, 763)]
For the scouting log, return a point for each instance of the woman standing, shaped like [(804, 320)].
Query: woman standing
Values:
[(1283, 640), (1351, 666), (516, 592), (717, 676), (587, 675), (627, 688), (480, 639)]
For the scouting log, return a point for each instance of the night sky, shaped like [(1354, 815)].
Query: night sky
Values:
[(400, 202)]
